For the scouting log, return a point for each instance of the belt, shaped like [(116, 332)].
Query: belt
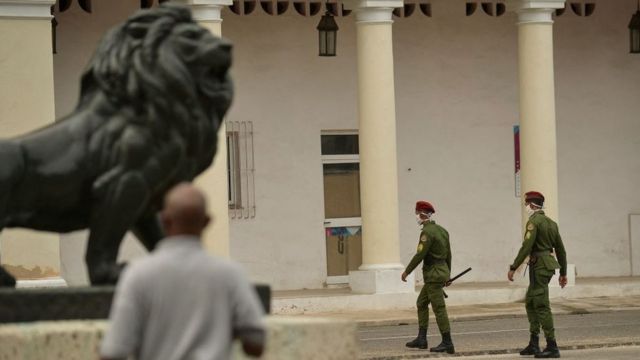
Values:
[(541, 253), (432, 261)]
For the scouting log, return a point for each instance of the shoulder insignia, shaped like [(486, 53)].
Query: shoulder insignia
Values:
[(530, 226), (423, 238), (420, 247), (527, 235)]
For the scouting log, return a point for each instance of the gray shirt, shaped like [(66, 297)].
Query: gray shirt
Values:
[(180, 303)]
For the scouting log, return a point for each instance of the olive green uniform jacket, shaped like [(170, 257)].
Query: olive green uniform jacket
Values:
[(434, 252), (543, 238)]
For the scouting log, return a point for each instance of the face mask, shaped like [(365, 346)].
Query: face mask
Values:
[(419, 220), (529, 210)]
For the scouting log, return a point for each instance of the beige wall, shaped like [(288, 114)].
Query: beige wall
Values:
[(456, 103), (26, 103), (598, 88)]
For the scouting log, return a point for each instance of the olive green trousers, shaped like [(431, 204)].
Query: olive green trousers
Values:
[(537, 303), (432, 293)]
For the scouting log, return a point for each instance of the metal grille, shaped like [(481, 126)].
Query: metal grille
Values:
[(241, 170)]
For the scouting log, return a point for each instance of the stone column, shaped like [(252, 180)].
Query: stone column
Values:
[(538, 155), (214, 181), (27, 103), (381, 268)]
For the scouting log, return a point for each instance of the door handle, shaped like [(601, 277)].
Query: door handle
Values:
[(341, 245)]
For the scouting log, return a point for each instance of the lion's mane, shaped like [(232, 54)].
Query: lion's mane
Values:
[(141, 70)]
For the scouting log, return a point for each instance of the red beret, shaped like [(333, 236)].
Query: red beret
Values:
[(533, 195), (423, 206)]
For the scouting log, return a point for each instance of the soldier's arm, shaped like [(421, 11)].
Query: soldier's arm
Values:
[(448, 254), (421, 252), (527, 245), (561, 255)]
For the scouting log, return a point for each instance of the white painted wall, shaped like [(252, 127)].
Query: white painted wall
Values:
[(456, 89), (598, 88), (290, 94)]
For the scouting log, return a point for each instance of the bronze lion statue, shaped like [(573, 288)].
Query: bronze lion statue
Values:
[(151, 102)]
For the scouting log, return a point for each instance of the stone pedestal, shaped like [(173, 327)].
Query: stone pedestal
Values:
[(76, 303)]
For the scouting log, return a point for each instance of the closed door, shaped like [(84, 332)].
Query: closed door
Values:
[(343, 230), (343, 225)]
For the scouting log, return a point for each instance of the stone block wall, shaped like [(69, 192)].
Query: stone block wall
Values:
[(288, 338)]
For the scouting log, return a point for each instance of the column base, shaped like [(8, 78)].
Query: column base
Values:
[(381, 281), (571, 276), (42, 283)]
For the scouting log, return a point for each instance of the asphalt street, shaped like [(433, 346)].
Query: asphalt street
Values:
[(504, 336), (609, 353)]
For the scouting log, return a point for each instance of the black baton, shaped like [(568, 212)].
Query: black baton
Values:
[(454, 279)]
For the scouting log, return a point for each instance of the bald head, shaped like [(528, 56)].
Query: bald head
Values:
[(184, 211)]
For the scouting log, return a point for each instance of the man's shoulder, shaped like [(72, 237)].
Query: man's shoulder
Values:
[(438, 228), (541, 219), (538, 218), (141, 266)]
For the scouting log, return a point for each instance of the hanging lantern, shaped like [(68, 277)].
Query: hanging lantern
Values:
[(634, 32), (327, 31)]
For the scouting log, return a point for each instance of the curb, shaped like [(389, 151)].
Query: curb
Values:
[(428, 355), (414, 320), (492, 316)]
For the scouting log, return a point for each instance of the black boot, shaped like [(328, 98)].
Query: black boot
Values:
[(533, 347), (551, 351), (420, 342), (445, 345)]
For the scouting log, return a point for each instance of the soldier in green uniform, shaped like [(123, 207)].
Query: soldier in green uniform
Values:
[(435, 253), (541, 240)]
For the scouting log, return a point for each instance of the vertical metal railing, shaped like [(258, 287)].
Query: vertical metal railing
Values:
[(241, 170)]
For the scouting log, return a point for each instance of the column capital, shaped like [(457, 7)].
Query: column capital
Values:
[(535, 11), (373, 11), (26, 9), (205, 10)]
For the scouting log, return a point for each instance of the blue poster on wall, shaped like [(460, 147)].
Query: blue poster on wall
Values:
[(343, 231), (516, 157)]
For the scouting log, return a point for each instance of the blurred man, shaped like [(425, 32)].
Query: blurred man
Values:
[(179, 302), (541, 240), (435, 251)]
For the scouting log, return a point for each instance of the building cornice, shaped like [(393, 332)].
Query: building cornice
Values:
[(205, 10), (373, 11), (535, 11), (26, 9), (355, 4)]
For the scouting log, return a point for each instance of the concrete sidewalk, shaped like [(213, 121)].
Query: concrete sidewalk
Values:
[(466, 301), (485, 311)]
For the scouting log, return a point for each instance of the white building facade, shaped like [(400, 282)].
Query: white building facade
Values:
[(302, 196)]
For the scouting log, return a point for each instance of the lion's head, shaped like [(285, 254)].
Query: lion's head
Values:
[(170, 72)]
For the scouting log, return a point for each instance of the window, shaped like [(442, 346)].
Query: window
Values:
[(337, 144), (240, 170)]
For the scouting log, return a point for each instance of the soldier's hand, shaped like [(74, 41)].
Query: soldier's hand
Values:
[(510, 274), (562, 280), (404, 276), (447, 283)]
